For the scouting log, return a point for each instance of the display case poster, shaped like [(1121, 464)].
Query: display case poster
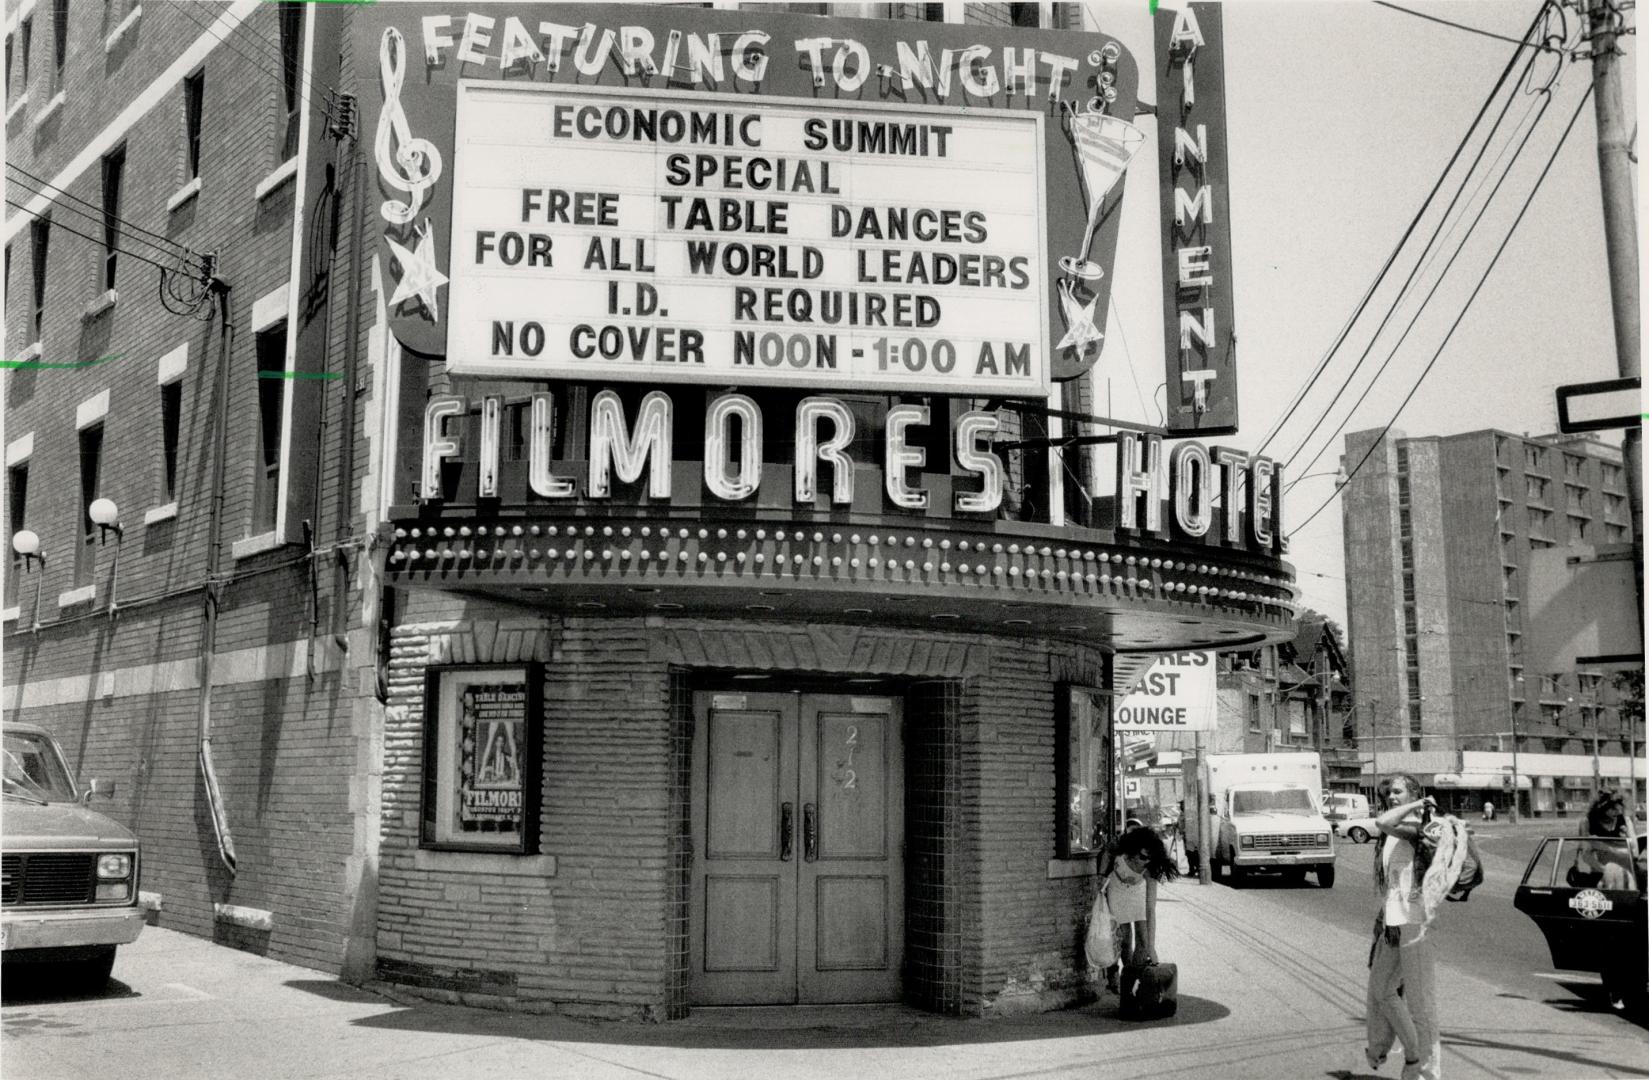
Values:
[(492, 737)]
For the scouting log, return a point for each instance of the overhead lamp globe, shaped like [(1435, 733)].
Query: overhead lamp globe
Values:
[(103, 512), (25, 542)]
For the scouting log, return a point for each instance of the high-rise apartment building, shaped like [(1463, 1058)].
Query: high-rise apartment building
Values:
[(1442, 534)]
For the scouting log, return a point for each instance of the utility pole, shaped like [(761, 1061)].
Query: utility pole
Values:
[(1614, 146)]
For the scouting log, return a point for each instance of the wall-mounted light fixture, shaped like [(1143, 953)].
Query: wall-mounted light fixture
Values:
[(106, 516), (26, 542)]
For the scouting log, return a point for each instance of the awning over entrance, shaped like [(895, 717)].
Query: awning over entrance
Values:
[(1476, 781)]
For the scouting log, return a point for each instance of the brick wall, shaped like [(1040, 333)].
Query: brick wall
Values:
[(596, 924)]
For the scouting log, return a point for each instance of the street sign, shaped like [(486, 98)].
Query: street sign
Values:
[(1599, 406)]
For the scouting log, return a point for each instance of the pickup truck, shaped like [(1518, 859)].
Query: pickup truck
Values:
[(70, 891)]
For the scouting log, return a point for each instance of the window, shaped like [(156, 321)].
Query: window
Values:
[(1534, 458), (266, 480), (1024, 15), (194, 95), (1253, 712), (8, 69), (933, 12), (27, 30), (1579, 527), (1084, 771), (60, 41), (17, 502), (1613, 506), (291, 68), (481, 732), (1614, 534), (1572, 466), (1536, 488), (114, 168), (39, 237), (171, 413), (1611, 476), (91, 466), (1574, 497), (1540, 521)]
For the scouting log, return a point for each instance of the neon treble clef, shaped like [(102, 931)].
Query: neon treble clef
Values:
[(409, 164)]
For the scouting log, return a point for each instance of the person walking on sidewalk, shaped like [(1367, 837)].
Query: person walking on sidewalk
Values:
[(1141, 861), (1402, 1003)]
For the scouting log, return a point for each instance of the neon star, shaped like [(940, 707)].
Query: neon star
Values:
[(1080, 330), (419, 277)]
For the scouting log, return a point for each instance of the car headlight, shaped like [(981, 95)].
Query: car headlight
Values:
[(1248, 841), (1322, 838), (114, 865)]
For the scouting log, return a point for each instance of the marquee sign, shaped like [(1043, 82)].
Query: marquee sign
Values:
[(634, 236), (1196, 219), (610, 192)]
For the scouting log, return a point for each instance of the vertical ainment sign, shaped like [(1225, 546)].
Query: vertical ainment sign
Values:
[(1192, 163)]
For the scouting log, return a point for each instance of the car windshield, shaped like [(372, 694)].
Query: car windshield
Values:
[(1273, 801), (33, 769)]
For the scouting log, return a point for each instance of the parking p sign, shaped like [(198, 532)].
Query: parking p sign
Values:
[(1177, 693)]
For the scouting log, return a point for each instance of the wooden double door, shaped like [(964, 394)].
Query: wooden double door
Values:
[(798, 836)]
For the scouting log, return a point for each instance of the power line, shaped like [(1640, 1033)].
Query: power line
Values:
[(125, 228), (1469, 300), (1339, 340), (92, 239), (67, 201), (1458, 26), (1436, 285), (322, 101)]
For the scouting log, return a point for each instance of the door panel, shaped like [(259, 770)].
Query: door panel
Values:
[(743, 904), (852, 873), (798, 880)]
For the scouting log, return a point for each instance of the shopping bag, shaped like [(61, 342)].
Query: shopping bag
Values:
[(1101, 945)]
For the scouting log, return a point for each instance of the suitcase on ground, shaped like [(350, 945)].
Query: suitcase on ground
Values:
[(1149, 992)]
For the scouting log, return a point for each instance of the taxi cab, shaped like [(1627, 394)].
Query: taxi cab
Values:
[(1586, 895)]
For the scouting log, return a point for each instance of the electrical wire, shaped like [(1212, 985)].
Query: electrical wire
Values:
[(1420, 310), (1116, 315), (124, 229), (1391, 259), (1457, 26), (1467, 305), (319, 101), (65, 200), (58, 225), (1408, 282)]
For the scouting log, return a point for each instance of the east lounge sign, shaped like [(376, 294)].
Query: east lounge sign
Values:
[(668, 195), (1196, 219)]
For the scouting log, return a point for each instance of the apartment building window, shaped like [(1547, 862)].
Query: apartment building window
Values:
[(1613, 505), (291, 15), (1402, 489), (114, 169), (1611, 476), (1579, 528), (1535, 488), (1253, 712), (1404, 523), (933, 12), (1574, 497), (1540, 521), (194, 96), (1511, 578), (1025, 15), (40, 238), (91, 468), (1534, 458), (26, 31), (1614, 534), (1411, 622), (171, 417), (271, 399), (1572, 466), (17, 502), (60, 41)]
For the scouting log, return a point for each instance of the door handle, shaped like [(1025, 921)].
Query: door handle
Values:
[(810, 832), (787, 831)]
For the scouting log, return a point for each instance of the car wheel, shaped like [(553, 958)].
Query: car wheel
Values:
[(93, 973), (1325, 877), (1358, 835)]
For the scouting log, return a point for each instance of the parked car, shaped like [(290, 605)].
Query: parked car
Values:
[(1359, 830), (70, 892), (1586, 894)]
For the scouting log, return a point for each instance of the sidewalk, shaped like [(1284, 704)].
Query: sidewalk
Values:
[(1252, 1004)]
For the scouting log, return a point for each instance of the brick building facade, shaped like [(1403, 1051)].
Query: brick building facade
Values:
[(294, 602)]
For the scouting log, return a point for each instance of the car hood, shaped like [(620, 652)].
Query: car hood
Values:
[(60, 825), (1282, 822)]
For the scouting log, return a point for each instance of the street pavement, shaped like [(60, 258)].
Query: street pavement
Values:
[(1265, 992)]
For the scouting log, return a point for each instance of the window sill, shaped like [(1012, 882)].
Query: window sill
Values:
[(184, 194), (475, 862), (82, 595), (100, 305), (8, 615), (161, 513), (284, 172), (51, 108), (16, 107), (31, 352), (255, 545), (119, 32)]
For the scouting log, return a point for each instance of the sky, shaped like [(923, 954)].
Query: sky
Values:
[(1341, 116)]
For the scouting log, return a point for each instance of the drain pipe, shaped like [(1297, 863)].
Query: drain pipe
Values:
[(214, 559), (352, 364)]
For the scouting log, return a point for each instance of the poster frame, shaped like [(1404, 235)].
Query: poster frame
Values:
[(437, 727)]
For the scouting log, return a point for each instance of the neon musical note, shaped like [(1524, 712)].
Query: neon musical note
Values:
[(409, 164)]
